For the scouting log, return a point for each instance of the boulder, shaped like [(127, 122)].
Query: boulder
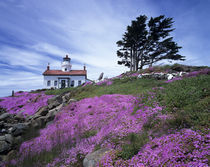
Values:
[(2, 138), (4, 147), (3, 158), (51, 115), (93, 158), (18, 140), (1, 124), (4, 116), (71, 100), (19, 129), (66, 97), (42, 111), (40, 122), (9, 138), (54, 101), (20, 118), (53, 104), (170, 76)]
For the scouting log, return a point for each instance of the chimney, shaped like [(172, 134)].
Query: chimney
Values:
[(84, 67), (48, 66), (67, 56)]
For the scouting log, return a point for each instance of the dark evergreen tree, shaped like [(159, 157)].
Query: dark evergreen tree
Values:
[(145, 43)]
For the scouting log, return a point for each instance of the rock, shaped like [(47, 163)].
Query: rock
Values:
[(1, 124), (19, 129), (54, 101), (48, 123), (4, 147), (20, 118), (11, 154), (2, 138), (18, 140), (35, 124), (170, 76), (36, 116), (42, 111), (64, 100), (51, 115), (3, 131), (10, 129), (66, 97), (53, 104), (41, 121), (9, 138), (4, 116), (3, 158), (93, 158), (71, 100)]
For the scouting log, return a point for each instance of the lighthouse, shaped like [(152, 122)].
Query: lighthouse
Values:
[(64, 77), (66, 64)]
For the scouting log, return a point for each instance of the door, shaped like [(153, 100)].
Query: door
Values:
[(63, 83)]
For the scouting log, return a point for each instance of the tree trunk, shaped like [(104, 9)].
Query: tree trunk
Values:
[(131, 64)]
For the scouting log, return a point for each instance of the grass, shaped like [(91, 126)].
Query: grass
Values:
[(187, 100), (58, 91), (124, 86), (135, 142)]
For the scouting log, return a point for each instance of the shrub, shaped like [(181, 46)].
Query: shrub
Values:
[(136, 141)]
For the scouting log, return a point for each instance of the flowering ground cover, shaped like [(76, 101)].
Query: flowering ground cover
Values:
[(182, 149), (162, 124), (24, 102), (92, 122), (204, 71)]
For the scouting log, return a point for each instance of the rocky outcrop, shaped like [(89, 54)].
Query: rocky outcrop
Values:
[(161, 75), (14, 127), (93, 158)]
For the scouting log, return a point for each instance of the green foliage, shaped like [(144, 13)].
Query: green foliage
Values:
[(97, 147), (147, 41), (151, 122), (135, 142), (185, 92), (120, 86), (89, 133), (189, 101), (58, 91)]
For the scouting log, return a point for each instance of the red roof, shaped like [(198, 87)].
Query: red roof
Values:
[(60, 72)]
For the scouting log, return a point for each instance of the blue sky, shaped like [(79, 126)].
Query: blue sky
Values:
[(35, 32)]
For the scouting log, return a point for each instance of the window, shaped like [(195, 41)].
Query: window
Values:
[(72, 83), (79, 82), (48, 83), (55, 83)]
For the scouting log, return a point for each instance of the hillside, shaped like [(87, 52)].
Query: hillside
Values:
[(135, 119)]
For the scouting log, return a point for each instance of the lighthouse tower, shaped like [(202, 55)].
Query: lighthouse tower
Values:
[(66, 65)]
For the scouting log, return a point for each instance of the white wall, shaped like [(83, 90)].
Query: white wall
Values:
[(55, 78)]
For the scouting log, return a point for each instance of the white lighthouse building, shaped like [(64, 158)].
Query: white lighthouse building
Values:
[(66, 77)]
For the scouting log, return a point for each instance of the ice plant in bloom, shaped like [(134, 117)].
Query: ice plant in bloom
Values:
[(105, 82), (106, 118), (191, 74), (184, 149), (24, 102)]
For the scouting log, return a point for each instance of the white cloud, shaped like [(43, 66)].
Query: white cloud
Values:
[(86, 30)]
